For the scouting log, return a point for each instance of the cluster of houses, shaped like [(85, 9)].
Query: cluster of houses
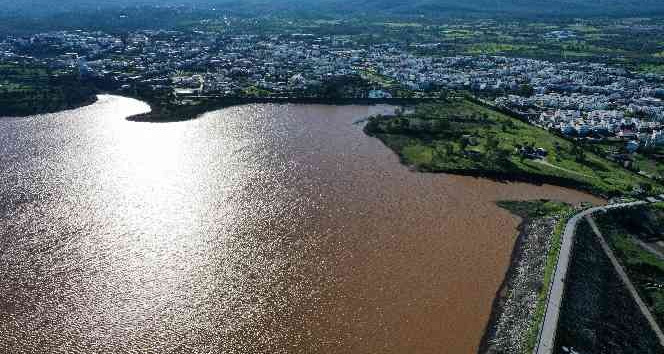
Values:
[(604, 124), (578, 99), (230, 64), (635, 117)]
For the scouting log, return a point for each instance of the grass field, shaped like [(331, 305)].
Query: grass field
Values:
[(497, 48), (462, 136)]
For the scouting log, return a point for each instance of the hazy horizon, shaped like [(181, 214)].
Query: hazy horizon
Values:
[(624, 8)]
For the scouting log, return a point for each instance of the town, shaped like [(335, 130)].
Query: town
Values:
[(578, 99)]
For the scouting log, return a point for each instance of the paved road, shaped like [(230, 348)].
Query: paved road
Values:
[(557, 287), (628, 283)]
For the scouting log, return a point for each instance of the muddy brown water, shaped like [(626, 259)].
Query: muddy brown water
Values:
[(254, 229)]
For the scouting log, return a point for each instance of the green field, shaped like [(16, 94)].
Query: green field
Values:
[(466, 137), (564, 213), (497, 48)]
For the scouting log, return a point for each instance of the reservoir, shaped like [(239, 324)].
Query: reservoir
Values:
[(252, 229)]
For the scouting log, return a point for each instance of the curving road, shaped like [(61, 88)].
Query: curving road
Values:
[(547, 334)]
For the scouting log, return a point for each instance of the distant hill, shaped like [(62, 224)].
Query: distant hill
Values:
[(509, 7), (626, 8)]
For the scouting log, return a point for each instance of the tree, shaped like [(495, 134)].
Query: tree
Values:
[(464, 144), (526, 90), (501, 156), (578, 153), (492, 143), (449, 149), (445, 150), (646, 188)]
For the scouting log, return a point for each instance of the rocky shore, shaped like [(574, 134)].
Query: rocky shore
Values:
[(516, 301)]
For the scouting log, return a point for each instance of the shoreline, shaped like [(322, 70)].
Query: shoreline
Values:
[(88, 102), (163, 114), (521, 240), (514, 307), (160, 114), (518, 254), (500, 299), (523, 177)]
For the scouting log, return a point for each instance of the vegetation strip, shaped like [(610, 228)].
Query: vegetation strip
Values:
[(549, 270), (34, 89)]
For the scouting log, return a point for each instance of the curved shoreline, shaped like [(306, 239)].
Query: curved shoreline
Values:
[(161, 114), (530, 178), (517, 255), (88, 102), (355, 130), (157, 114)]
